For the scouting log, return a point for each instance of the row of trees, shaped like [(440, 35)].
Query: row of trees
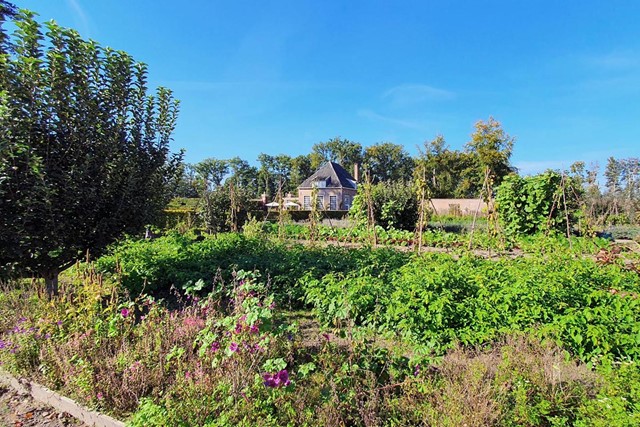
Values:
[(618, 200), (451, 173)]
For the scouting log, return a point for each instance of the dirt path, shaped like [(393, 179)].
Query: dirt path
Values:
[(23, 411)]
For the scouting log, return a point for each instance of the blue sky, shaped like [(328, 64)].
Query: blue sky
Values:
[(563, 77)]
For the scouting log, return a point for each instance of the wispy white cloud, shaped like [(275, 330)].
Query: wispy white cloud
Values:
[(83, 20), (412, 94), (372, 115)]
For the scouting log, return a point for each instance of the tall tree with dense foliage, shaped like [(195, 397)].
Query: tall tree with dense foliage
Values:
[(449, 173), (387, 161), (300, 170), (492, 147), (84, 148), (212, 172), (342, 151)]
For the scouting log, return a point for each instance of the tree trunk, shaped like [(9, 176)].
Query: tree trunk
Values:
[(51, 282)]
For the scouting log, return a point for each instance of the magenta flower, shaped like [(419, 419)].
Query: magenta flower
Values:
[(254, 329), (238, 329), (99, 395), (233, 347), (269, 380), (124, 312), (280, 379), (215, 346), (283, 377)]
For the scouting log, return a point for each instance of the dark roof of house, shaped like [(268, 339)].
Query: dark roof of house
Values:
[(334, 175)]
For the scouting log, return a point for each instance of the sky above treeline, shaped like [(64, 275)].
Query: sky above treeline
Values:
[(563, 77)]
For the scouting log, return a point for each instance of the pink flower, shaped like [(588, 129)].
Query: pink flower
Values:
[(233, 347), (99, 395), (254, 329), (124, 312), (215, 346)]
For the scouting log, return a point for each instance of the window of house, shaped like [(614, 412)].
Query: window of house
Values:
[(320, 202), (333, 203), (347, 202), (307, 203)]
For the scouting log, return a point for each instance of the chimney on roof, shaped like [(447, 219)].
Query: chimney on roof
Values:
[(355, 172)]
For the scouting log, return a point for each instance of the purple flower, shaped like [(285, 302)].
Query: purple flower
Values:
[(2, 345), (269, 380), (238, 329), (326, 336), (280, 379), (283, 377), (254, 329), (233, 347), (215, 346), (124, 312), (59, 323), (416, 371)]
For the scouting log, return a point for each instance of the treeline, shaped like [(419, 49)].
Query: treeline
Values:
[(226, 187), (453, 173)]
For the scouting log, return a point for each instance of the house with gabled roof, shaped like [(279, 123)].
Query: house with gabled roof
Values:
[(335, 188)]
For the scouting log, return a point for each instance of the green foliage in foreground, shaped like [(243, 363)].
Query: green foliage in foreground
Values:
[(591, 310), (226, 360), (178, 260), (433, 299)]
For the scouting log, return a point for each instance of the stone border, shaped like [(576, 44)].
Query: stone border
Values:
[(58, 402)]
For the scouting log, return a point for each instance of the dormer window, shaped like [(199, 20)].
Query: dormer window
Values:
[(321, 183)]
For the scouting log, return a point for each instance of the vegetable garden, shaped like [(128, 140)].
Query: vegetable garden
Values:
[(243, 329)]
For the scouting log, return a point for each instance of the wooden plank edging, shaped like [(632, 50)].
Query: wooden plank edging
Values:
[(58, 402)]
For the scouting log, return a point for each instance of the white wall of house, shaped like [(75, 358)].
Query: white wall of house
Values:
[(343, 196)]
